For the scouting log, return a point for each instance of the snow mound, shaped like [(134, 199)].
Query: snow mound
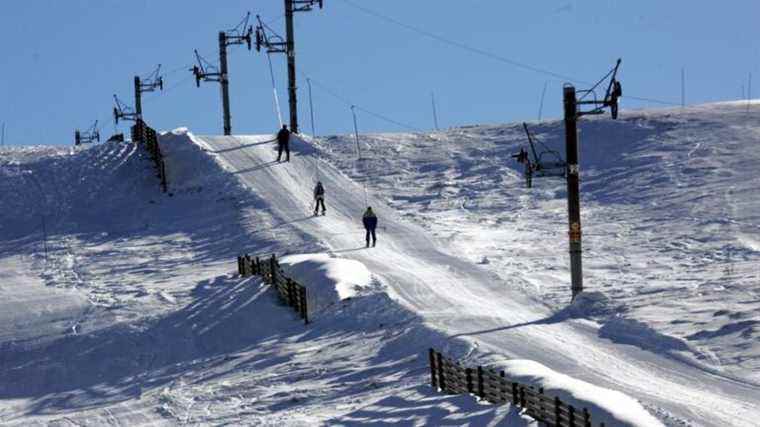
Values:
[(328, 279), (188, 168), (611, 407), (593, 304)]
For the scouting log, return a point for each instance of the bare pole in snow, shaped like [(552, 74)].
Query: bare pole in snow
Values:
[(356, 133), (683, 87), (749, 91), (435, 113)]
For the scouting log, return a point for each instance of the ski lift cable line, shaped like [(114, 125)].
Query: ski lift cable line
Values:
[(462, 45), (274, 90), (486, 53), (360, 108), (158, 95)]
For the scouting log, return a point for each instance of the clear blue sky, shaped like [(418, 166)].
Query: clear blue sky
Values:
[(63, 60)]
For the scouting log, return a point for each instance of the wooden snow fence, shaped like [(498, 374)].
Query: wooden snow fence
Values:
[(144, 134), (290, 292), (492, 386)]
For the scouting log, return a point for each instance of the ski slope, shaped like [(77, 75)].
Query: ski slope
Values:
[(120, 306), (467, 302)]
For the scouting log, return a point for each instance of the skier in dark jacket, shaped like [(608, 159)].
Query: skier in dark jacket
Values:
[(283, 143), (617, 92), (370, 224), (319, 197)]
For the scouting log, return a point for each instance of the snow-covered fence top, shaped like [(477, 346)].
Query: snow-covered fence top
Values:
[(291, 292), (493, 386)]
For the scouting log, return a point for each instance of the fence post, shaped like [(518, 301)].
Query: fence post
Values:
[(273, 270), (541, 402), (248, 264), (304, 307), (586, 418), (291, 294), (468, 377), (481, 391), (502, 387), (522, 397), (515, 401), (240, 265), (163, 176), (557, 404), (572, 414), (441, 377), (431, 356)]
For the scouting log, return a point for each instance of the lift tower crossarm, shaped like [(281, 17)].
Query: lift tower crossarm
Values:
[(236, 36), (275, 44)]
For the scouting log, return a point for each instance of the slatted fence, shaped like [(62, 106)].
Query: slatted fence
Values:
[(290, 292), (142, 133), (493, 386)]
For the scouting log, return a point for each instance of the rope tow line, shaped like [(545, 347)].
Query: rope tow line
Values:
[(274, 90)]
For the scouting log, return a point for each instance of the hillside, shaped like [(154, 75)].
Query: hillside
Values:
[(670, 213), (153, 326)]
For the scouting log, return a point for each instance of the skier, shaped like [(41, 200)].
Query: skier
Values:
[(370, 223), (283, 143), (319, 197)]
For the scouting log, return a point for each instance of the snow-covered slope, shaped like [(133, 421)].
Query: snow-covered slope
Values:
[(133, 315), (671, 219), (151, 326), (461, 184)]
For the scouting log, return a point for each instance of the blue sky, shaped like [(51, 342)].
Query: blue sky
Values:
[(63, 60)]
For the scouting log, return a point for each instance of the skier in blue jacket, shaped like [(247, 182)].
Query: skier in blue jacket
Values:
[(370, 224)]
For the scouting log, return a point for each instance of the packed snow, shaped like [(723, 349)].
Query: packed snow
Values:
[(327, 277), (120, 304)]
